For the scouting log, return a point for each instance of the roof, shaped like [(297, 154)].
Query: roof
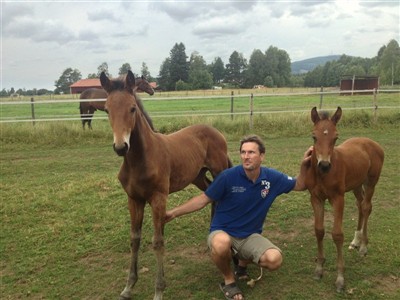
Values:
[(95, 82), (87, 83), (344, 77)]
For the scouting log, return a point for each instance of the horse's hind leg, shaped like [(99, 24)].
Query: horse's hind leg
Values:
[(136, 210), (359, 194), (366, 207)]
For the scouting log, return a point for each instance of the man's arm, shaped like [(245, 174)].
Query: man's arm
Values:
[(192, 205), (305, 164)]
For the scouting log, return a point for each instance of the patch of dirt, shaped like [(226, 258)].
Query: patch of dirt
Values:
[(387, 284)]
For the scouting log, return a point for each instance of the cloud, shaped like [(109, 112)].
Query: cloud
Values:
[(192, 11), (219, 26), (39, 31), (102, 15), (13, 12)]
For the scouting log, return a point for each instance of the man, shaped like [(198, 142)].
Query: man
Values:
[(243, 196)]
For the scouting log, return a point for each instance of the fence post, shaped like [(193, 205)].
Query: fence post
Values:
[(375, 104), (231, 105), (33, 111), (321, 96), (251, 111)]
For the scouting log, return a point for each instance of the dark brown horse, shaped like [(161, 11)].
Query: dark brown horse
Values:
[(355, 166), (156, 165), (87, 108)]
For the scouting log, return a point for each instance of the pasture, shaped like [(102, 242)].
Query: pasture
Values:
[(65, 223)]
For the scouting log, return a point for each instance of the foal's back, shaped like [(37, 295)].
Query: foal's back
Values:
[(362, 159)]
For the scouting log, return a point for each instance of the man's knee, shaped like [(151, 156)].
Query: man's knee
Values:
[(271, 259), (221, 243)]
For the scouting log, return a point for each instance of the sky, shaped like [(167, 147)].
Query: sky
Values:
[(40, 39)]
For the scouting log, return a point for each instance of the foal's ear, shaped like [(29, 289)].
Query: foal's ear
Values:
[(314, 115), (105, 82), (336, 117), (130, 81)]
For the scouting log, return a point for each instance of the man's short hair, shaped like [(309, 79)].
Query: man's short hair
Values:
[(255, 139)]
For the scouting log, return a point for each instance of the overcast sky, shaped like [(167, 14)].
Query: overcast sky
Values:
[(40, 39)]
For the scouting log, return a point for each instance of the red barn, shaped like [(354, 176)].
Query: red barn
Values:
[(356, 83), (84, 84)]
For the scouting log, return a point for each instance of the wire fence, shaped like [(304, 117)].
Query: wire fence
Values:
[(248, 105)]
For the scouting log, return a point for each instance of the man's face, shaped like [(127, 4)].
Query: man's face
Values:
[(251, 156)]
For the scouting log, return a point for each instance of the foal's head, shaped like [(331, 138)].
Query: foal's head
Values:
[(142, 85), (121, 107), (325, 136)]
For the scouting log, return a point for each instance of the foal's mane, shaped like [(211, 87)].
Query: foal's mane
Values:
[(324, 115), (119, 83)]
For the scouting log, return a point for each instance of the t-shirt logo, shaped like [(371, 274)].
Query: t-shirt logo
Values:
[(266, 183), (238, 189), (264, 193), (265, 190)]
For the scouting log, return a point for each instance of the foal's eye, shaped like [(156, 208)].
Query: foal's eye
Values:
[(133, 109), (314, 139)]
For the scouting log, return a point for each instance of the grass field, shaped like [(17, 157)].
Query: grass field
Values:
[(65, 224)]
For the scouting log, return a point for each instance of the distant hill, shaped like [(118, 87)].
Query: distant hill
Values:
[(304, 66)]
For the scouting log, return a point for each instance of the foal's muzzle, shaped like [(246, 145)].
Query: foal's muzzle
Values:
[(324, 166), (122, 149)]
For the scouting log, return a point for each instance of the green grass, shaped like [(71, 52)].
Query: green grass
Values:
[(65, 224)]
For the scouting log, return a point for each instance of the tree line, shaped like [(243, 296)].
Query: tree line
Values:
[(271, 68)]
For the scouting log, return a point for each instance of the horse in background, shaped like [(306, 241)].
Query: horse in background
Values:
[(355, 165), (156, 165), (87, 109)]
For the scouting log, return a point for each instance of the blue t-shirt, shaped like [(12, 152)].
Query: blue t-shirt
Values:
[(241, 205)]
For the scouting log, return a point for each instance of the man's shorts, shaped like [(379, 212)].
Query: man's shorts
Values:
[(250, 248)]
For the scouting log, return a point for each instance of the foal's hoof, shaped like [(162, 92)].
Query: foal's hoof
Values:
[(353, 246), (363, 251), (339, 284), (125, 296), (318, 276)]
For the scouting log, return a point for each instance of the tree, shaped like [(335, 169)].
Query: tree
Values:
[(145, 72), (235, 69), (68, 77), (257, 71), (124, 69), (103, 68), (278, 66), (389, 68), (179, 67), (217, 70), (92, 76), (199, 77), (164, 76)]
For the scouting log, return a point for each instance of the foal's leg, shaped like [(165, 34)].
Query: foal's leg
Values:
[(337, 236), (366, 207), (318, 207), (359, 194), (136, 210), (158, 206)]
